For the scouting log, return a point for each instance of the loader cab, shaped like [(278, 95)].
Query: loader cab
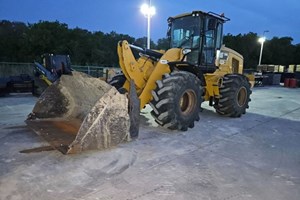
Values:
[(201, 33)]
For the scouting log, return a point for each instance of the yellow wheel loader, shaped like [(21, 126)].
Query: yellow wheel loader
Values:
[(196, 68), (78, 112)]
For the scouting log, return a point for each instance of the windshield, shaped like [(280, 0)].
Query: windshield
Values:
[(185, 32)]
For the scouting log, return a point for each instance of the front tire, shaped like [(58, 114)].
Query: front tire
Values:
[(177, 100), (235, 95)]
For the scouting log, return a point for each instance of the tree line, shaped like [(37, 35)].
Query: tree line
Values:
[(277, 51), (20, 42)]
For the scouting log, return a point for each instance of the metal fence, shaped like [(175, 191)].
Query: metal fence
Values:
[(95, 71), (8, 69), (105, 73)]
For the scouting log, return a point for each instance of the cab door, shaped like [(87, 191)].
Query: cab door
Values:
[(212, 41)]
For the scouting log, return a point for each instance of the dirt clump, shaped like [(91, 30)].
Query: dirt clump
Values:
[(72, 96)]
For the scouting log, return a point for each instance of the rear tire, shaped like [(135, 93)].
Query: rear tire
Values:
[(176, 100), (235, 96)]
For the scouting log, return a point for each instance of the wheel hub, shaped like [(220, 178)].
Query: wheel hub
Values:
[(187, 102), (242, 96)]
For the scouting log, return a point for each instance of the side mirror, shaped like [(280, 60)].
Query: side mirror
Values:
[(212, 24), (186, 51)]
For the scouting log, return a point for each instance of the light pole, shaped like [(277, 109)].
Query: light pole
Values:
[(262, 41), (148, 11)]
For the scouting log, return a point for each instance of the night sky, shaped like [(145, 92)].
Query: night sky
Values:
[(280, 17)]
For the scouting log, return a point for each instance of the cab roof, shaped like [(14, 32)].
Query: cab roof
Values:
[(198, 13)]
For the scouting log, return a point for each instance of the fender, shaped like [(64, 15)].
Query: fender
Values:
[(186, 66)]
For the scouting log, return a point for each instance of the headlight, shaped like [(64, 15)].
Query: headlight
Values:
[(223, 55)]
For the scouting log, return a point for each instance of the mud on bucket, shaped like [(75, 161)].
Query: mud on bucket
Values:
[(79, 112)]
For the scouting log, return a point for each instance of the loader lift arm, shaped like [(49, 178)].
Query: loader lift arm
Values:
[(154, 55), (147, 69)]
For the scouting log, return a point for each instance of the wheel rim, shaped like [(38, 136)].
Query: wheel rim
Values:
[(187, 102), (242, 96)]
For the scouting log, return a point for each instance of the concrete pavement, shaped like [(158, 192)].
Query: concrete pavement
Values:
[(254, 157)]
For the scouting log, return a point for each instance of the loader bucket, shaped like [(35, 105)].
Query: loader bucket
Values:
[(79, 112)]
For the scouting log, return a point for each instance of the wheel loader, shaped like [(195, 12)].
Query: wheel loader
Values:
[(196, 68), (78, 112)]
